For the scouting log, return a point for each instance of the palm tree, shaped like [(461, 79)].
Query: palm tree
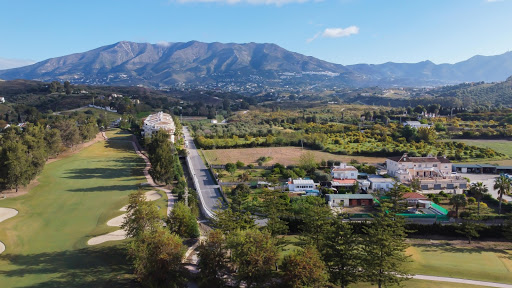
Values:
[(479, 190), (503, 185), (457, 201)]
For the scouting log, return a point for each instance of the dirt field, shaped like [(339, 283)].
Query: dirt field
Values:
[(283, 155)]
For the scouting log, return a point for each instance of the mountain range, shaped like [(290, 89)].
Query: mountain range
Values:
[(198, 63)]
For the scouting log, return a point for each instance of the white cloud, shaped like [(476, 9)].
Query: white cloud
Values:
[(14, 63), (340, 32), (335, 33), (164, 43), (253, 2), (309, 40)]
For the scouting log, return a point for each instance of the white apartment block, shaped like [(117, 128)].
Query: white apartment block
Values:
[(299, 185), (159, 121), (406, 168), (344, 171)]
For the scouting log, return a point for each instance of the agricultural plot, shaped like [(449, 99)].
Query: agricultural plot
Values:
[(283, 155)]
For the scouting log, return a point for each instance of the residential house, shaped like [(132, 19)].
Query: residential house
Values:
[(413, 198), (159, 121), (301, 185), (406, 168), (344, 171), (349, 200), (433, 173), (416, 124), (379, 183)]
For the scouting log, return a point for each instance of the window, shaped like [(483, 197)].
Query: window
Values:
[(435, 165)]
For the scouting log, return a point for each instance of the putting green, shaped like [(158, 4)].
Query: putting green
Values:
[(46, 241)]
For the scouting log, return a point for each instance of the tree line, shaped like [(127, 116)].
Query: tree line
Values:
[(25, 150)]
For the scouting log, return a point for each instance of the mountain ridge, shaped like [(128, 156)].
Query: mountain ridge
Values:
[(199, 63)]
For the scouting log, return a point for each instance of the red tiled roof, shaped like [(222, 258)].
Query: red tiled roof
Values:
[(344, 181)]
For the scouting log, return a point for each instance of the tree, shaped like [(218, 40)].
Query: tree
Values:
[(479, 190), (254, 253), (67, 87), (157, 256), (231, 168), (307, 161), (396, 197), (316, 219), (503, 185), (53, 142), (415, 184), (161, 156), (427, 134), (342, 253), (69, 132), (229, 221), (469, 229), (275, 207), (458, 201), (384, 249), (239, 196), (304, 268), (182, 222), (239, 164), (141, 215), (15, 164), (213, 263)]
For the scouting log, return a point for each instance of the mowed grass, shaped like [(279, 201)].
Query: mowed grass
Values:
[(501, 146), (283, 155), (46, 241), (475, 263), (421, 284)]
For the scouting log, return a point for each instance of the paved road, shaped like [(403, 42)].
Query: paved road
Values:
[(463, 281), (207, 187)]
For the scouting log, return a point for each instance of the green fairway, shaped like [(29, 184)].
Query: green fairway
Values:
[(493, 265), (46, 241)]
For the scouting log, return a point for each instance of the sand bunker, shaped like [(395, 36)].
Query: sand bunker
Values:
[(112, 236), (152, 195), (116, 222), (124, 208), (6, 213)]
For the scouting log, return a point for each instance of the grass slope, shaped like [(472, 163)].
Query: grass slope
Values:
[(46, 241), (502, 146)]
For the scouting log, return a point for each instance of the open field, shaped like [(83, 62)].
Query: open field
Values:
[(283, 155), (460, 261), (46, 242), (501, 146)]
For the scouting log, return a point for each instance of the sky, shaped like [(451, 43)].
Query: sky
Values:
[(339, 31)]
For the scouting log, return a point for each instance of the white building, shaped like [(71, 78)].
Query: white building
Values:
[(416, 124), (406, 168), (379, 183), (299, 185), (159, 121), (344, 171), (2, 100)]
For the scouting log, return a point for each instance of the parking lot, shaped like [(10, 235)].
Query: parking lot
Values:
[(488, 180)]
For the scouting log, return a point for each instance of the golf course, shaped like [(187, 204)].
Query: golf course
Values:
[(46, 242)]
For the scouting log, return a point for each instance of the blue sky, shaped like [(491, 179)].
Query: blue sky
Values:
[(340, 31)]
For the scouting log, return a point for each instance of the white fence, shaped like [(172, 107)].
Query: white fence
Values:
[(207, 212)]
